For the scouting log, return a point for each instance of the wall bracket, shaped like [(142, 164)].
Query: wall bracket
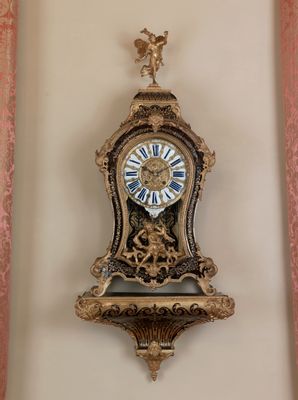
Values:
[(154, 322)]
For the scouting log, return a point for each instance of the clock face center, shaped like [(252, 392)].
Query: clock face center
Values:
[(155, 174)]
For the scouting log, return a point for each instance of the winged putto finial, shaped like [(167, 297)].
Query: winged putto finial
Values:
[(151, 49)]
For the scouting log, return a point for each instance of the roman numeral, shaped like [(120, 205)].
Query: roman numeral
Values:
[(168, 196), (144, 152), (178, 174), (155, 148), (134, 185), (175, 162), (175, 186), (135, 161), (142, 194), (166, 155), (131, 173), (154, 198)]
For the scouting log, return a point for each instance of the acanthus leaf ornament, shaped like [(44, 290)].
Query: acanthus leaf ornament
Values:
[(154, 168)]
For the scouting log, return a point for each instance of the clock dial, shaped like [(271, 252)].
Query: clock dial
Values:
[(155, 174)]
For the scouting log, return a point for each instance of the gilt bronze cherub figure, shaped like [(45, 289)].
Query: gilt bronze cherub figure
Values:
[(152, 49)]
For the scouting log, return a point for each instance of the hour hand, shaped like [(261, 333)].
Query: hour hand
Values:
[(144, 168)]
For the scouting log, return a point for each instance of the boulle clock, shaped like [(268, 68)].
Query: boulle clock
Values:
[(154, 167)]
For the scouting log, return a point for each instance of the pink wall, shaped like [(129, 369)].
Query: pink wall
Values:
[(8, 33), (289, 52)]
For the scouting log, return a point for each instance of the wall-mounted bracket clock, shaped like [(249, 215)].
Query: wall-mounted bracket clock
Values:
[(154, 167)]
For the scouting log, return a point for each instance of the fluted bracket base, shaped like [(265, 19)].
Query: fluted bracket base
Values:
[(154, 322)]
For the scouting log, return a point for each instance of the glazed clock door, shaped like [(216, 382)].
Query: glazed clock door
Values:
[(155, 176)]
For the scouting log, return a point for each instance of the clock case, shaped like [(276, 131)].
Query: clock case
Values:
[(154, 113), (154, 321)]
